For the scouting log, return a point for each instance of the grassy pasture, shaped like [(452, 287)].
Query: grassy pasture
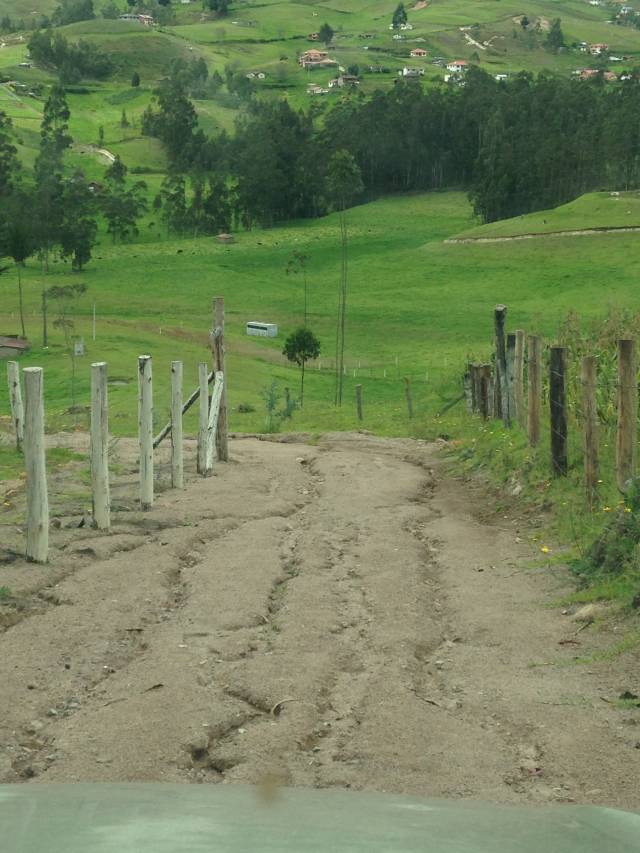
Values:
[(412, 296)]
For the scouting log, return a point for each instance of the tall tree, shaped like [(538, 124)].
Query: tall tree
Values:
[(78, 228), (344, 184), (555, 37), (122, 205), (9, 163), (17, 240), (399, 16), (54, 140), (300, 347), (326, 33)]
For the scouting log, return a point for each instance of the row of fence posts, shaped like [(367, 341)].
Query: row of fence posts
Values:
[(28, 423), (498, 391)]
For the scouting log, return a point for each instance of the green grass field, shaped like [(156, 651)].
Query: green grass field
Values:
[(412, 296)]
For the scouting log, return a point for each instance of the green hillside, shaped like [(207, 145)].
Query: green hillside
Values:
[(412, 296)]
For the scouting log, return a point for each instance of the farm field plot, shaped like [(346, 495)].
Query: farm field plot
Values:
[(346, 645)]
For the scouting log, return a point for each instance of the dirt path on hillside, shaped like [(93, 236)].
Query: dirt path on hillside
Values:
[(580, 232), (328, 615)]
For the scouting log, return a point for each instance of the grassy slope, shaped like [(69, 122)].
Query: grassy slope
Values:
[(593, 210), (411, 296)]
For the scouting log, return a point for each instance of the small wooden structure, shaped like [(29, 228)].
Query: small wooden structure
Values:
[(12, 346)]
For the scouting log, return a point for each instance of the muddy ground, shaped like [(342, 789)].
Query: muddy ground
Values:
[(334, 614)]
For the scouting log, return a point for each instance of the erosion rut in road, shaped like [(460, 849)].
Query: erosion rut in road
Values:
[(327, 615)]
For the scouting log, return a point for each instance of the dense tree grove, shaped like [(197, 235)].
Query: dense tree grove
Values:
[(525, 144), (71, 61)]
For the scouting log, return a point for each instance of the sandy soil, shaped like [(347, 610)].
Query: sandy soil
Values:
[(326, 615)]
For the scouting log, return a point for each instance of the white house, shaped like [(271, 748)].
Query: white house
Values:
[(411, 72), (458, 66)]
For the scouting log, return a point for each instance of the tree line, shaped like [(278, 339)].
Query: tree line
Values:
[(525, 144)]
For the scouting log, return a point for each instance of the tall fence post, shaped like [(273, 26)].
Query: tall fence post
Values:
[(627, 413), (468, 389), (475, 396), (484, 371), (177, 472), (34, 456), (590, 413), (222, 437), (15, 398), (558, 410), (145, 430), (203, 417), (407, 393), (518, 380), (511, 371), (534, 347), (502, 388), (100, 447), (359, 401)]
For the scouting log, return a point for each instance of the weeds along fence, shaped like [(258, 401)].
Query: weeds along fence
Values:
[(585, 389), (28, 419)]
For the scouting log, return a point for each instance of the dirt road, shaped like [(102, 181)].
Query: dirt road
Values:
[(327, 615)]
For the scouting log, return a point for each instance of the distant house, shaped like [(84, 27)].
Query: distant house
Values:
[(313, 58), (344, 81), (411, 72), (598, 49), (589, 73), (95, 187), (12, 346), (418, 52), (458, 66), (312, 89), (500, 77)]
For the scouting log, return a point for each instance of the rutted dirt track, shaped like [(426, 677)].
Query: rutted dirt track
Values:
[(328, 615)]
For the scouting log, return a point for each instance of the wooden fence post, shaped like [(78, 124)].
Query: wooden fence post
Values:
[(203, 419), (511, 369), (359, 401), (468, 389), (484, 371), (475, 397), (493, 399), (518, 380), (407, 393), (145, 430), (100, 447), (502, 387), (558, 407), (534, 347), (34, 456), (212, 422), (177, 472), (15, 398), (590, 411), (627, 414), (222, 437)]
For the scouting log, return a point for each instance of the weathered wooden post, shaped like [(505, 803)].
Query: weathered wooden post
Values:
[(15, 398), (100, 447), (502, 387), (590, 412), (558, 410), (473, 375), (626, 440), (407, 393), (359, 401), (534, 347), (518, 380), (34, 456), (493, 400), (177, 471), (203, 418), (485, 389), (212, 422), (145, 430), (468, 389), (222, 437), (511, 368)]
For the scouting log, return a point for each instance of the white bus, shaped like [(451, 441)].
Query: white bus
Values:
[(263, 330)]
